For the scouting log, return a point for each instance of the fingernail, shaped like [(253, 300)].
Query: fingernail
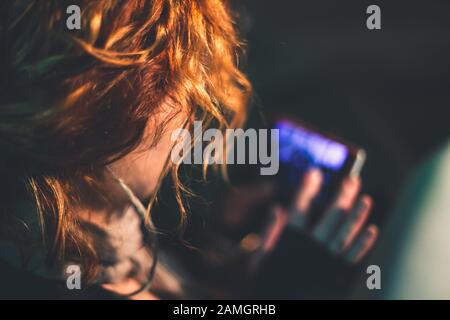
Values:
[(314, 173), (361, 205)]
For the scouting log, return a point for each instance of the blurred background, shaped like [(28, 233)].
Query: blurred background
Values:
[(385, 90)]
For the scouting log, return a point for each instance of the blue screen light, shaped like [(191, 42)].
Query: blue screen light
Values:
[(298, 145)]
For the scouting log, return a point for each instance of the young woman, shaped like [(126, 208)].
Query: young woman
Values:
[(86, 118)]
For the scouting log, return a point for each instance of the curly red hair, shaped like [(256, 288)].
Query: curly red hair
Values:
[(75, 101)]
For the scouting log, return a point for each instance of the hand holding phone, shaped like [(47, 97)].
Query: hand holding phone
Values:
[(319, 190), (302, 148)]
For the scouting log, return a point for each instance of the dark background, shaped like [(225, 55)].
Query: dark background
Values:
[(386, 90)]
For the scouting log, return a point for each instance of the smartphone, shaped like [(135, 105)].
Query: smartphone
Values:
[(301, 148)]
